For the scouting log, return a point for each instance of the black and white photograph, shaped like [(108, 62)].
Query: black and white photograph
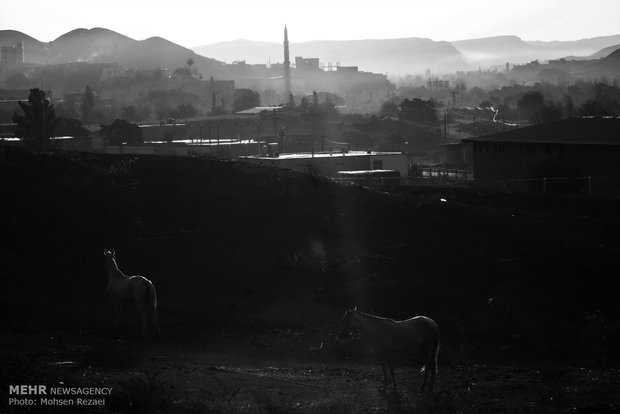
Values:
[(309, 206)]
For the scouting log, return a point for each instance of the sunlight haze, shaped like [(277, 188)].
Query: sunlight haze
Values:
[(193, 23)]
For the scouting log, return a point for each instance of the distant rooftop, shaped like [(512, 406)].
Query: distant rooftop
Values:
[(259, 109), (333, 154), (367, 172), (576, 131)]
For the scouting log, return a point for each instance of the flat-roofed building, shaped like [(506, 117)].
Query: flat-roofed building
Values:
[(330, 164), (578, 149)]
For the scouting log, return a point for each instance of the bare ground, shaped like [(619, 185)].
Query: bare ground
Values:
[(254, 268), (291, 371)]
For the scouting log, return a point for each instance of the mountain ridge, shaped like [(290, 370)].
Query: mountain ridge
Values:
[(400, 56), (101, 45), (467, 54)]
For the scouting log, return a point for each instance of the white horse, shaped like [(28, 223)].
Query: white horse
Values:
[(136, 290), (418, 336)]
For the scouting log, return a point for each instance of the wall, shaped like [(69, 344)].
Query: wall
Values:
[(495, 163), (396, 162)]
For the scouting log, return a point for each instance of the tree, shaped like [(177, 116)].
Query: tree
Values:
[(304, 105), (121, 131), (182, 73), (245, 99), (37, 124), (185, 110), (389, 108), (130, 113), (88, 106), (418, 110), (531, 106), (192, 71)]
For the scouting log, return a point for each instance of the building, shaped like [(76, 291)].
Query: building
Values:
[(437, 84), (347, 69), (331, 164), (218, 92), (307, 64), (12, 55), (577, 155)]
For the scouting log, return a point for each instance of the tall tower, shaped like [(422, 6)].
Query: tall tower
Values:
[(287, 68)]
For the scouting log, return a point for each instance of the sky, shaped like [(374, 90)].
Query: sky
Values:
[(192, 23)]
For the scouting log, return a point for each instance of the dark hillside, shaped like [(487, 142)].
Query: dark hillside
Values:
[(233, 245)]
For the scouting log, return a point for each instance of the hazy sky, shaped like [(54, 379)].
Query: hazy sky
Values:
[(198, 22)]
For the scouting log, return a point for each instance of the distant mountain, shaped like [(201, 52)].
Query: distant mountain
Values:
[(394, 56), (391, 56), (411, 55), (490, 51), (600, 54), (605, 52), (34, 50), (99, 45), (582, 47), (607, 67), (82, 45), (502, 49)]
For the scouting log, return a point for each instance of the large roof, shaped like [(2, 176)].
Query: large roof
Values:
[(573, 131)]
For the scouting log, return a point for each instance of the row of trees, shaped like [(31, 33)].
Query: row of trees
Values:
[(537, 103), (39, 123)]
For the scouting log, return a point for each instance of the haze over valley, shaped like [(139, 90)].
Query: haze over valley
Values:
[(395, 57), (414, 55)]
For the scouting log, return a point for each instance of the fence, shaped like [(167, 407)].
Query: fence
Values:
[(607, 186), (590, 186), (418, 177)]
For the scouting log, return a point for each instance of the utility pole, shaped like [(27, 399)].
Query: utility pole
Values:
[(447, 123), (275, 130), (474, 123)]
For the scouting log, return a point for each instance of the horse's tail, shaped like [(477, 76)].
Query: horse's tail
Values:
[(436, 355)]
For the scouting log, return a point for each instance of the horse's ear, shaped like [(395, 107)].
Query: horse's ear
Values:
[(113, 252)]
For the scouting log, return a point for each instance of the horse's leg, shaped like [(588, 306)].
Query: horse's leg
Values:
[(426, 367), (433, 367), (391, 366), (385, 378)]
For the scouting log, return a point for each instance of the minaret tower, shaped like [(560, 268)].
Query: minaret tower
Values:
[(287, 68)]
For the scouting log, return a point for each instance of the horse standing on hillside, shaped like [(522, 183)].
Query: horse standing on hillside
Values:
[(136, 290), (418, 336)]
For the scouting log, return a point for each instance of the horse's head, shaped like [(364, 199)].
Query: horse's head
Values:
[(347, 327), (110, 256)]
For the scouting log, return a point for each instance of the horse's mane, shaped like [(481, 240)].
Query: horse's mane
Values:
[(373, 316)]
